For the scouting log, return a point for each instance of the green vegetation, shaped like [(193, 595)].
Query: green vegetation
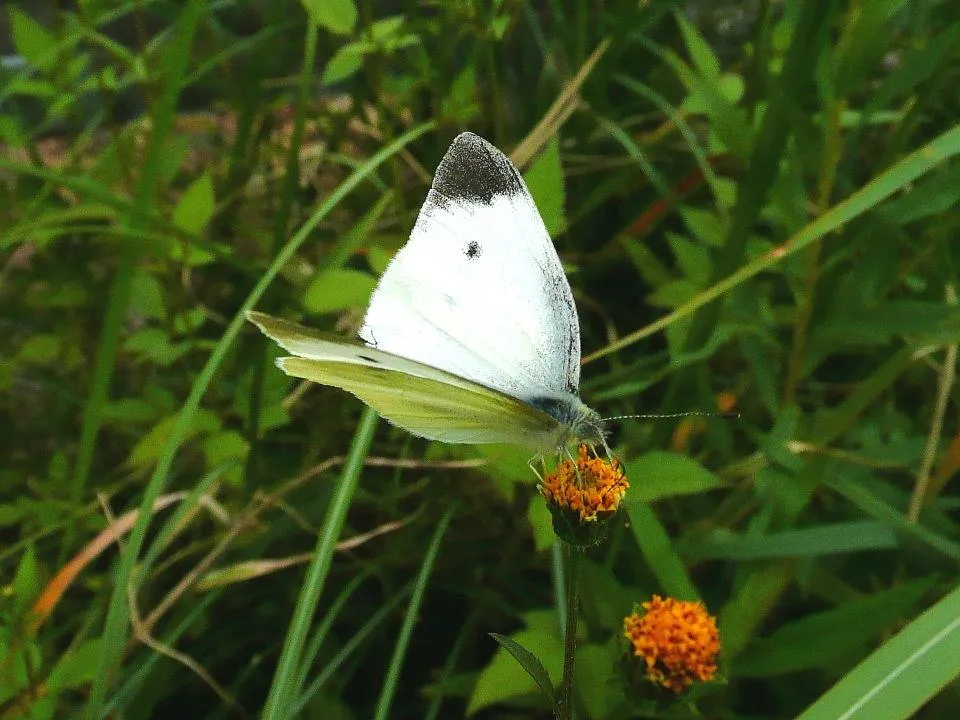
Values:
[(756, 205)]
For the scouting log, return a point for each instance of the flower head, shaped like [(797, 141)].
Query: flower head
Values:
[(677, 641), (581, 493)]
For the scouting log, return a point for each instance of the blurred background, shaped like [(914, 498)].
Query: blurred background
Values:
[(755, 203)]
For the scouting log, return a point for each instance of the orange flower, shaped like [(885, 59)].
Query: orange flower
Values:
[(592, 488), (677, 640)]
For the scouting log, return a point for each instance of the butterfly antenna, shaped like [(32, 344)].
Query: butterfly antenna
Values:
[(667, 416)]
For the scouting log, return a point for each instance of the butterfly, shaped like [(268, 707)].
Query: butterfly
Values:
[(471, 335)]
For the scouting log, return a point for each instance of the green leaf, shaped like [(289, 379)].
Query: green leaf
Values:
[(541, 522), (500, 682), (386, 28), (700, 51), (40, 349), (658, 550), (345, 62), (705, 225), (817, 541), (337, 16), (657, 475), (26, 581), (33, 41), (545, 181), (148, 449), (224, 446), (196, 205), (898, 679), (850, 626), (744, 613), (76, 667), (146, 297), (338, 289), (934, 195), (597, 691), (693, 258), (153, 345), (531, 664)]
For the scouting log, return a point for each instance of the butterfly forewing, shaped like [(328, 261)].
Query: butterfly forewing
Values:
[(478, 290)]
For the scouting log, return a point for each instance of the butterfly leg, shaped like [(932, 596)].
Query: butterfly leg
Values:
[(530, 464), (573, 461)]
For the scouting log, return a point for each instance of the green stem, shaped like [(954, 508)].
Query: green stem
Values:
[(572, 562)]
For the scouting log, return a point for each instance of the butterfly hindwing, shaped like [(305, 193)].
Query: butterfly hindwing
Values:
[(421, 399)]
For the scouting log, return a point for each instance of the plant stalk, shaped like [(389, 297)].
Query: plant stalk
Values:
[(572, 562)]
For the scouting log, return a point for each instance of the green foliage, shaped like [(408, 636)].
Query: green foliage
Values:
[(759, 207)]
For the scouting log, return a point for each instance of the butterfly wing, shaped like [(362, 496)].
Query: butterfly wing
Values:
[(479, 290), (421, 399)]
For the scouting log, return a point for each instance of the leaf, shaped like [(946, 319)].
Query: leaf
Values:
[(705, 225), (345, 62), (337, 16), (595, 666), (700, 51), (744, 613), (693, 258), (148, 449), (817, 541), (222, 447), (153, 345), (541, 523), (338, 289), (657, 475), (895, 681), (545, 182), (529, 662), (196, 205), (41, 349), (658, 550), (934, 195), (386, 28), (76, 667), (33, 41), (26, 581), (499, 681), (850, 626), (146, 297)]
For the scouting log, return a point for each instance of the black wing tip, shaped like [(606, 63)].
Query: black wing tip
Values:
[(473, 170)]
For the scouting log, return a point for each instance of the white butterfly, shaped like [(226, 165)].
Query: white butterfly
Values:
[(472, 334)]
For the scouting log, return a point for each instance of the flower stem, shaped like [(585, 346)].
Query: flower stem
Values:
[(572, 558)]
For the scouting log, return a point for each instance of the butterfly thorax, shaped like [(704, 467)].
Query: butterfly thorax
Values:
[(575, 421)]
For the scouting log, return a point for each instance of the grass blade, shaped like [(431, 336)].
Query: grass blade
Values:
[(283, 690), (896, 680)]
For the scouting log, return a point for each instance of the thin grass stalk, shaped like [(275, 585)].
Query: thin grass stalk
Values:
[(285, 679), (117, 621), (385, 701)]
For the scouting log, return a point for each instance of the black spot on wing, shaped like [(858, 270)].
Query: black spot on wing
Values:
[(473, 170), (473, 249), (369, 359)]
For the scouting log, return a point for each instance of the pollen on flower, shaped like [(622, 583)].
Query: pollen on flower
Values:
[(591, 487), (677, 640)]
